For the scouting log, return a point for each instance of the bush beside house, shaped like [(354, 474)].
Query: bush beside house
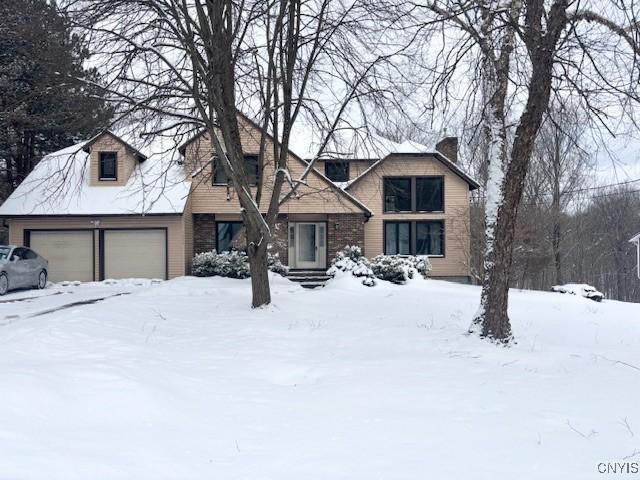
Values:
[(234, 264), (390, 268)]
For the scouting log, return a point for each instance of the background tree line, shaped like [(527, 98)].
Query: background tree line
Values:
[(570, 228), (49, 99)]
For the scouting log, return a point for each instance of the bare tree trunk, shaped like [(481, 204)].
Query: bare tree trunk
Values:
[(493, 316), (555, 208), (258, 266)]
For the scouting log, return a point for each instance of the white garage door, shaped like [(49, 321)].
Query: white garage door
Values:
[(135, 253), (70, 253)]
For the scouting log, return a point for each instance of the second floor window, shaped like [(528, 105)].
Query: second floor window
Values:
[(414, 194), (397, 194), (430, 194), (219, 177), (336, 171), (108, 166)]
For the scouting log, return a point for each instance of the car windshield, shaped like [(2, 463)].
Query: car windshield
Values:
[(4, 252)]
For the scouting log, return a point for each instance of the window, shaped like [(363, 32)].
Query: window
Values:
[(29, 254), (397, 194), (430, 238), (227, 233), (219, 177), (414, 238), (108, 166), (397, 238), (430, 194), (251, 168), (337, 171), (414, 194), (18, 254)]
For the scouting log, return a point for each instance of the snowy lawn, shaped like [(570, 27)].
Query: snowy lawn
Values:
[(182, 380)]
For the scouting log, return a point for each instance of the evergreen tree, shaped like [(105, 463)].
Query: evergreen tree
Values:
[(45, 104)]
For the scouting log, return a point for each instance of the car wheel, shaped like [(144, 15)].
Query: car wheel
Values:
[(4, 283), (42, 280)]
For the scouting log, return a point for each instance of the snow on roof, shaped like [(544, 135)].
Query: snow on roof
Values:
[(360, 144), (349, 144), (59, 185), (635, 239)]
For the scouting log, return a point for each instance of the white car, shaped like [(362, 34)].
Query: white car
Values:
[(21, 267)]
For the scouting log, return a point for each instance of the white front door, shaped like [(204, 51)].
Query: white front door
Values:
[(309, 245)]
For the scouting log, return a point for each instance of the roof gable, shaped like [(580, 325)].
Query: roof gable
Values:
[(473, 185), (60, 185), (137, 153), (292, 155)]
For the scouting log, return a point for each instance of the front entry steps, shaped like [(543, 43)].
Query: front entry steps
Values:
[(309, 278)]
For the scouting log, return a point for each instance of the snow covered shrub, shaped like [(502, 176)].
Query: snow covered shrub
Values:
[(422, 264), (233, 264), (392, 268), (369, 282), (275, 265), (396, 269), (580, 289), (350, 259)]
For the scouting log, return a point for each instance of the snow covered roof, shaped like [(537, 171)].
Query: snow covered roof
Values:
[(357, 144), (635, 239), (349, 144), (59, 185)]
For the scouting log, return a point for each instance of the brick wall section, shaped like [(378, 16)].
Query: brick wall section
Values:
[(204, 232), (343, 230), (280, 240)]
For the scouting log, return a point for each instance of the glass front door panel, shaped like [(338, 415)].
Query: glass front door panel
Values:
[(307, 242)]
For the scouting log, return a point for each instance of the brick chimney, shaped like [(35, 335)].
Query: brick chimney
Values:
[(448, 146)]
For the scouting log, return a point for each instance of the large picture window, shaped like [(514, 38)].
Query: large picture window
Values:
[(219, 176), (430, 238), (226, 233), (397, 194), (397, 238), (414, 194), (108, 166), (430, 194), (337, 171), (414, 238)]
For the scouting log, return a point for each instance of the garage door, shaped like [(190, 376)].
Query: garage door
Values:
[(135, 253), (70, 253)]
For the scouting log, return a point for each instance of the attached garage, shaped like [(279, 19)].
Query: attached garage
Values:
[(134, 253), (70, 253)]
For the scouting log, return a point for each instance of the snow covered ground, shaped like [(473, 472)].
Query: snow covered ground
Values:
[(182, 380)]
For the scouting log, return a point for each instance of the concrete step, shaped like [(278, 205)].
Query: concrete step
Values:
[(311, 284), (309, 278)]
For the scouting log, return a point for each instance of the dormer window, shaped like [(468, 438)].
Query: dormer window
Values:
[(108, 166), (336, 171)]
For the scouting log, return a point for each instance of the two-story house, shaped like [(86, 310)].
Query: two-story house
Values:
[(107, 208)]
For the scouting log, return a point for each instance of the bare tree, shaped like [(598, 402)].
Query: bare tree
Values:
[(509, 60), (561, 164), (196, 65)]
